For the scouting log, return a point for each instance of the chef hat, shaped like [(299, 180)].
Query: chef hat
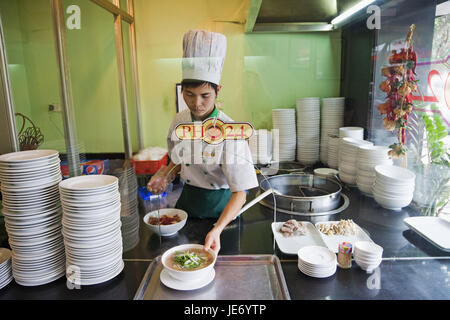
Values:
[(203, 55)]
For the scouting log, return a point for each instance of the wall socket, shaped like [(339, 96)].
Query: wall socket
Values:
[(54, 107)]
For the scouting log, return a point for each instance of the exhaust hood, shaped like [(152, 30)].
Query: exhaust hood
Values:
[(294, 15)]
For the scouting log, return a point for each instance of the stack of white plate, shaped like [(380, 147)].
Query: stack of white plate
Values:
[(129, 214), (261, 146), (367, 255), (348, 153), (92, 228), (6, 275), (351, 132), (32, 210), (284, 121), (368, 157), (332, 118), (394, 186), (308, 130), (317, 262), (333, 151)]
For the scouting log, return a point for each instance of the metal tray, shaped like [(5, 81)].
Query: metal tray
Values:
[(238, 277)]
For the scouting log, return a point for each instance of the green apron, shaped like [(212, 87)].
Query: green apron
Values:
[(203, 203)]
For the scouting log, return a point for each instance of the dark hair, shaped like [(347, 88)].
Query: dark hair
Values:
[(190, 83)]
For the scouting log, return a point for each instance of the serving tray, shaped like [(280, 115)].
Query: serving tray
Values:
[(238, 277), (434, 229)]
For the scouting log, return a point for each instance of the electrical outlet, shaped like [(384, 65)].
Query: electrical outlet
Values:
[(54, 107)]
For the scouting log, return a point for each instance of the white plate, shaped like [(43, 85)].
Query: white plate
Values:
[(172, 283), (433, 229), (333, 242), (90, 182), (315, 256), (28, 156), (291, 245)]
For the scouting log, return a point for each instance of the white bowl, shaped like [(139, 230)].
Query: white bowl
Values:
[(390, 203), (395, 174), (347, 178), (166, 230), (188, 275), (366, 266), (368, 248), (393, 193)]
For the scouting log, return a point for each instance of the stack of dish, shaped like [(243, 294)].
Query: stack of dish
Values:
[(6, 275), (351, 132), (129, 214), (368, 158), (333, 151), (261, 146), (91, 228), (394, 186), (32, 210), (367, 255), (284, 122), (317, 262), (332, 118), (308, 130), (348, 152)]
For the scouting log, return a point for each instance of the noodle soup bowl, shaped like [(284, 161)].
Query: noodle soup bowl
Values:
[(185, 274)]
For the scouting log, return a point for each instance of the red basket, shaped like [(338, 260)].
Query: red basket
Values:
[(149, 166)]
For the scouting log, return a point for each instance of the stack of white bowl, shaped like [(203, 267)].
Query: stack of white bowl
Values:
[(369, 157), (367, 255), (394, 186), (351, 132), (91, 228), (332, 118), (32, 210), (308, 130), (284, 122), (6, 275), (261, 146), (317, 262), (333, 151), (348, 159)]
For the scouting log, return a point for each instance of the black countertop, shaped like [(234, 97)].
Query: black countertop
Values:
[(412, 268)]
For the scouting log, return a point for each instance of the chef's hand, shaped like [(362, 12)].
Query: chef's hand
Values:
[(212, 241), (159, 182)]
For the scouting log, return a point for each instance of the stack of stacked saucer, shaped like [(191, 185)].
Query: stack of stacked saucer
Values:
[(332, 118), (333, 151), (32, 210), (368, 157), (6, 275), (317, 262), (91, 228), (394, 186), (308, 130), (367, 255), (129, 214), (284, 122), (348, 153)]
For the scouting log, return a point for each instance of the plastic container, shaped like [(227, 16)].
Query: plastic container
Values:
[(149, 166)]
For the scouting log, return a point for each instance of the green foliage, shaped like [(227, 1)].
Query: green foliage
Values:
[(436, 131)]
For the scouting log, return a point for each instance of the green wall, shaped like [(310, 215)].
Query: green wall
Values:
[(261, 71)]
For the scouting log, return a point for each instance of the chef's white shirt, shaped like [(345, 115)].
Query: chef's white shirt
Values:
[(226, 165)]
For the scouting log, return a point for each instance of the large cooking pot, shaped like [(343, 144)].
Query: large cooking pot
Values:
[(303, 193)]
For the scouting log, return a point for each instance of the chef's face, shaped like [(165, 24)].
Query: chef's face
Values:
[(200, 100)]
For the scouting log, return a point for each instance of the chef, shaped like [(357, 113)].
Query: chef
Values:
[(216, 176)]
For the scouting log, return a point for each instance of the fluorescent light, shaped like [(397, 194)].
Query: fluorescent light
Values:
[(351, 11)]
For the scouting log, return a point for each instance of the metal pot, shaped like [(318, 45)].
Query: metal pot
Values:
[(303, 193)]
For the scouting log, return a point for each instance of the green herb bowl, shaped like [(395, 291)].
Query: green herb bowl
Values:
[(188, 274)]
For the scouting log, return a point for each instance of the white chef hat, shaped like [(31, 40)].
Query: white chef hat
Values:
[(203, 55)]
